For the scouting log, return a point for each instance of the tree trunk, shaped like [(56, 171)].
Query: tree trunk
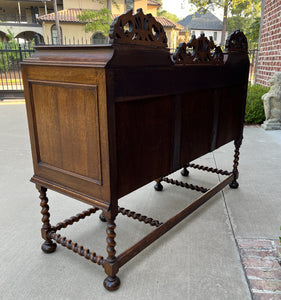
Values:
[(57, 21), (225, 10)]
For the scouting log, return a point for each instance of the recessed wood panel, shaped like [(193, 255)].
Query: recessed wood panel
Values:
[(144, 141), (197, 123), (67, 134), (231, 115)]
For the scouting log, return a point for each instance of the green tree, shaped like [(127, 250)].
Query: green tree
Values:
[(8, 59), (98, 20), (247, 21), (228, 6), (168, 15)]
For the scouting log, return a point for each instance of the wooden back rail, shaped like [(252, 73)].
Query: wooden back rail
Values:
[(106, 120)]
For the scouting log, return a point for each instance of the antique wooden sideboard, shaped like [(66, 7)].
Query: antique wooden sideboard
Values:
[(106, 120)]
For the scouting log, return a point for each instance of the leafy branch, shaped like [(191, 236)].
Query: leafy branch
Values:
[(98, 20)]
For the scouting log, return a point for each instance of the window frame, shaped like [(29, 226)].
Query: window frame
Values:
[(54, 29)]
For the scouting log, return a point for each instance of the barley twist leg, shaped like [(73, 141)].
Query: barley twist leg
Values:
[(48, 246), (234, 184), (111, 282)]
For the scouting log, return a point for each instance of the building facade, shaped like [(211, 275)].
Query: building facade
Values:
[(269, 58), (73, 30), (19, 18), (207, 23)]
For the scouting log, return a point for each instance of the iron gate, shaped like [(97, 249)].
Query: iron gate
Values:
[(10, 74)]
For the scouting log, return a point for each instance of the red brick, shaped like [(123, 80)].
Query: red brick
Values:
[(269, 36), (265, 285), (255, 244), (269, 296), (264, 274), (258, 253), (260, 263)]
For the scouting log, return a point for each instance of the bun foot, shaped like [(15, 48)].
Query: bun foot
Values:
[(234, 184), (111, 283), (158, 186), (102, 218), (184, 172), (49, 247)]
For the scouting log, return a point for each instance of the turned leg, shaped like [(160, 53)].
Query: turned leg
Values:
[(234, 184), (184, 171), (48, 246), (111, 282), (158, 186)]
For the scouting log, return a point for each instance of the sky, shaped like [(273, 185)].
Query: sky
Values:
[(182, 8)]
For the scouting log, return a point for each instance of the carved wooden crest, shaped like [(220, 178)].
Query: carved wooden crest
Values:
[(236, 42), (198, 50), (138, 29)]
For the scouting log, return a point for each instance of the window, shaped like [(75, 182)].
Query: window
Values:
[(54, 34), (98, 38), (215, 36), (129, 4), (192, 32)]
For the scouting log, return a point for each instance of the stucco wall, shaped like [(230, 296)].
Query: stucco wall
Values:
[(140, 4), (269, 59), (84, 4), (71, 33), (152, 10), (120, 9), (89, 4)]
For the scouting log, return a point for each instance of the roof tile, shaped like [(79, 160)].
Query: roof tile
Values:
[(200, 21), (71, 15)]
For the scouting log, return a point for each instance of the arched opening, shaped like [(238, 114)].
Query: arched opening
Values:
[(98, 38), (54, 34), (29, 36)]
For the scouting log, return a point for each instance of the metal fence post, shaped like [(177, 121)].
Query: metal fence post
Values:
[(20, 53)]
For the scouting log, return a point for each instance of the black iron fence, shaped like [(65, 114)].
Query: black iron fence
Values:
[(10, 75), (12, 55)]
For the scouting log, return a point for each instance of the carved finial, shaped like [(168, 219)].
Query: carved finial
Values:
[(138, 29), (199, 52), (236, 42)]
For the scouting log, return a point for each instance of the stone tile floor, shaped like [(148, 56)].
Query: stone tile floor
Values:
[(261, 260)]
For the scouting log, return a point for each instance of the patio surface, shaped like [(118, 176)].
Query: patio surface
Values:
[(227, 249)]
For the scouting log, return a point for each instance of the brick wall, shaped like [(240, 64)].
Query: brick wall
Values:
[(269, 60)]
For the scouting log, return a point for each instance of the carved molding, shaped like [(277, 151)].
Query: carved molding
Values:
[(198, 51), (138, 29), (237, 42)]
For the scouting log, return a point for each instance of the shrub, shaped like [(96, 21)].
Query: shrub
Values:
[(254, 113)]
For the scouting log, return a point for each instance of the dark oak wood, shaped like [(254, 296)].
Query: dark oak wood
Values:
[(106, 120), (48, 246)]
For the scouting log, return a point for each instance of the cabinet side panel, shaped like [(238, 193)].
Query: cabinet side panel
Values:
[(68, 129)]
